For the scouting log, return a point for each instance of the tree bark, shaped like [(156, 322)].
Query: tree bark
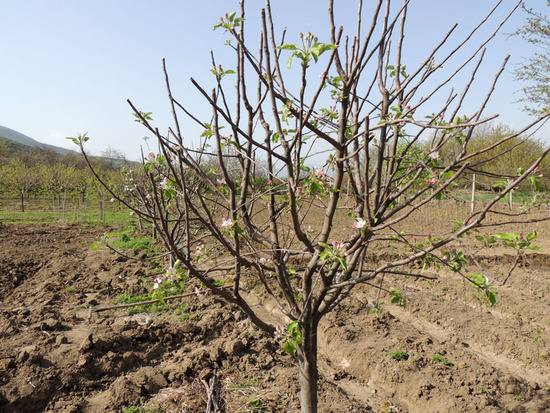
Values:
[(22, 202), (309, 373)]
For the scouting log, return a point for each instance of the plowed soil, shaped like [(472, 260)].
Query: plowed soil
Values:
[(459, 355)]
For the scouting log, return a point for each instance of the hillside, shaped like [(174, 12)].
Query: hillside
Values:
[(17, 145), (21, 139)]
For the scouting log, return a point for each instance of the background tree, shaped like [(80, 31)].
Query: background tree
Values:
[(21, 179), (536, 71), (113, 156)]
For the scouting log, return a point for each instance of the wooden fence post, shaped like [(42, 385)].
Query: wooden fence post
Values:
[(473, 198)]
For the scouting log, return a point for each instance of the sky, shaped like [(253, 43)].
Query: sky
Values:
[(69, 66)]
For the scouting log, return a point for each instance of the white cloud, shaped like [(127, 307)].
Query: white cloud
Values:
[(57, 138)]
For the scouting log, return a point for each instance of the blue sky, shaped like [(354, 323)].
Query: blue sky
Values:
[(68, 66)]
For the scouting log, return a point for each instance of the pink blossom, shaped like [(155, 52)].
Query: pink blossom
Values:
[(432, 181), (320, 173), (164, 183), (220, 182), (434, 156), (359, 224), (227, 223), (339, 245), (157, 283)]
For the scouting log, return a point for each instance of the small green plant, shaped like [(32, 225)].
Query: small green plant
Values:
[(399, 355), (440, 358), (71, 289), (172, 283), (256, 405), (397, 297), (181, 312), (376, 309), (219, 283), (245, 384), (95, 246), (128, 239)]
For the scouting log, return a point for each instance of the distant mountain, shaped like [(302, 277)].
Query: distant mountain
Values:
[(19, 138)]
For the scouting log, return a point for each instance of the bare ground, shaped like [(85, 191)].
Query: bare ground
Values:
[(55, 358)]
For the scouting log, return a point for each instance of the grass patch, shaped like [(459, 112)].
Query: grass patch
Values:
[(399, 355), (114, 218), (438, 357), (70, 289), (243, 385), (166, 289), (256, 405), (128, 239)]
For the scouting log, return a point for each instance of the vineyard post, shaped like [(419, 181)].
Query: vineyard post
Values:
[(473, 197)]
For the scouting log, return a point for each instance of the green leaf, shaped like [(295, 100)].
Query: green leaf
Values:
[(320, 48), (289, 348), (478, 279), (288, 46), (492, 297), (289, 61), (507, 236)]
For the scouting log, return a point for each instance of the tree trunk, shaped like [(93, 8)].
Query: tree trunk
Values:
[(309, 373), (22, 202)]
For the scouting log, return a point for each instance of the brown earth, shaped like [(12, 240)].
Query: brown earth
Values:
[(54, 357)]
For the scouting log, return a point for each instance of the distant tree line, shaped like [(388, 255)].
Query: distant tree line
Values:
[(56, 179), (38, 174)]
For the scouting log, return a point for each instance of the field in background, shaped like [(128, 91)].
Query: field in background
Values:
[(39, 211)]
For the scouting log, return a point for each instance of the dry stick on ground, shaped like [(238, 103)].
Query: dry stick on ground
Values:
[(212, 392), (391, 180)]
